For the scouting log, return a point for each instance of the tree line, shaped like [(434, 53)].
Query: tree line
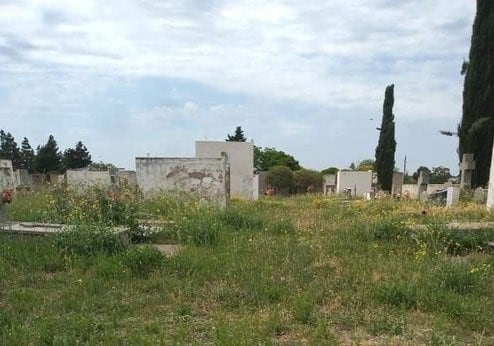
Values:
[(47, 158)]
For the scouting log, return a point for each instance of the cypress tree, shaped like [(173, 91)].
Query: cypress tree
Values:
[(386, 147), (9, 149), (27, 156), (78, 157), (238, 136), (476, 130), (48, 157)]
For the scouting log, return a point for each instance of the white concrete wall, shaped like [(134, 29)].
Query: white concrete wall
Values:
[(84, 178), (205, 178), (360, 180), (241, 160)]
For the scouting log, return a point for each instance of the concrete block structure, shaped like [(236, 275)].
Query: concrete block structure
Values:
[(206, 178), (240, 159), (359, 182)]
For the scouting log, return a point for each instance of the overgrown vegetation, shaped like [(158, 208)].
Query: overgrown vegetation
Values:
[(302, 270)]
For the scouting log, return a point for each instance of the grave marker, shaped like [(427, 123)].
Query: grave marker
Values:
[(467, 166)]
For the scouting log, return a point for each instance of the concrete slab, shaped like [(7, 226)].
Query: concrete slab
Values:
[(36, 228), (462, 225)]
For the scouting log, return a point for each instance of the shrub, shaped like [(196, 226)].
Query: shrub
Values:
[(303, 178), (89, 240), (143, 260), (280, 177)]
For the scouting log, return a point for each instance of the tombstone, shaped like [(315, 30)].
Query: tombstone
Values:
[(424, 196), (397, 186), (479, 195), (452, 196), (422, 182), (467, 166), (7, 184)]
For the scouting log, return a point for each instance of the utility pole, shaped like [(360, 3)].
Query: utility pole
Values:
[(404, 169)]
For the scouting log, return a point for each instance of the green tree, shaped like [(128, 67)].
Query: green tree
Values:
[(440, 175), (303, 178), (366, 165), (48, 157), (9, 149), (265, 159), (416, 175), (238, 136), (476, 129), (329, 170), (102, 166), (77, 157), (27, 156), (280, 177), (386, 147)]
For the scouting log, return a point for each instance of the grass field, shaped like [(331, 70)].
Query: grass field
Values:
[(292, 271)]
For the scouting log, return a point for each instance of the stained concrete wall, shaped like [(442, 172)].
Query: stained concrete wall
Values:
[(85, 178), (128, 177), (360, 182), (7, 177), (410, 190), (329, 184), (241, 160), (397, 184), (206, 178)]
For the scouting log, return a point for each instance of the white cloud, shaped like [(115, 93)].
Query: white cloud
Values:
[(336, 53), (335, 56)]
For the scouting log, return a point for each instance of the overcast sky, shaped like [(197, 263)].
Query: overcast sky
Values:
[(306, 77)]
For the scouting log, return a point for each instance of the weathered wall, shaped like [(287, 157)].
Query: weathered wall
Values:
[(86, 178), (7, 177), (329, 184), (411, 190), (241, 160), (129, 177), (206, 178), (397, 185), (25, 179), (358, 181)]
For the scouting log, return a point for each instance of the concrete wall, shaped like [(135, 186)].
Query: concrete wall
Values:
[(329, 184), (241, 160), (7, 177), (128, 177), (411, 190), (206, 178), (86, 178), (358, 181)]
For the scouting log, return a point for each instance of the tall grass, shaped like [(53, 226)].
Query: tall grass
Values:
[(301, 270)]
